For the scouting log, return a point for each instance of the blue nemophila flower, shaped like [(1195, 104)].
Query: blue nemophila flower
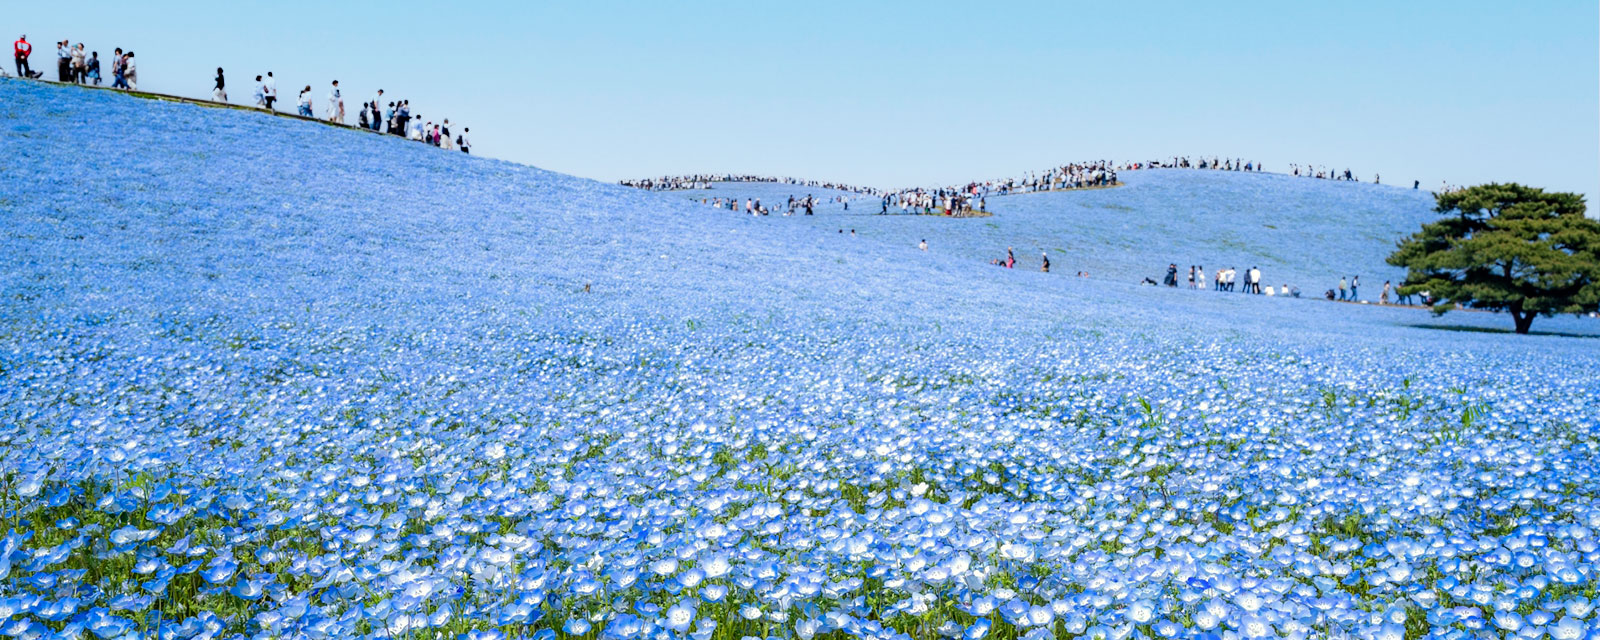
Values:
[(247, 589), (576, 626), (713, 593)]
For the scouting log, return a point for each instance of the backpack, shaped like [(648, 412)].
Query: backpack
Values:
[(458, 141)]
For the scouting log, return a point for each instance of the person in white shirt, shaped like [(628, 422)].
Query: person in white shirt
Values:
[(269, 89), (130, 72), (466, 141), (377, 104), (305, 103), (335, 104), (261, 94)]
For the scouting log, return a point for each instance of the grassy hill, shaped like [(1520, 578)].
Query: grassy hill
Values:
[(261, 376)]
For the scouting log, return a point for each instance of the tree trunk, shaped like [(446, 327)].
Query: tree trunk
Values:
[(1523, 320)]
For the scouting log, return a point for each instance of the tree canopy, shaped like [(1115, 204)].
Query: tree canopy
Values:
[(1509, 248)]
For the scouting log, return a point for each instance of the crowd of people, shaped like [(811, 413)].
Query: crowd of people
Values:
[(1076, 175), (76, 65), (1320, 172), (752, 206), (1201, 162), (1349, 290), (1227, 279), (1250, 281), (700, 181)]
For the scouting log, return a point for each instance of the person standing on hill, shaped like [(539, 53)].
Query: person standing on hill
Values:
[(1046, 258), (335, 104), (1344, 285), (269, 89), (93, 66), (377, 103), (1171, 279), (20, 50), (466, 141), (63, 62), (305, 103), (1383, 298), (220, 91), (261, 94), (1355, 284), (80, 64)]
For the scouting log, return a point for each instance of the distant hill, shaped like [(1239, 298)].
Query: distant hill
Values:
[(1299, 231)]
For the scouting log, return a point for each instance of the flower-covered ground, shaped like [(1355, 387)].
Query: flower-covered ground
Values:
[(262, 378), (1299, 231)]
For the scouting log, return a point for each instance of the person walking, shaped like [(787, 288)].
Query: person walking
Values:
[(335, 104), (20, 50), (261, 94), (1344, 285), (219, 92), (305, 103), (1383, 298), (466, 141), (118, 63), (270, 90), (130, 73), (93, 66), (1355, 284)]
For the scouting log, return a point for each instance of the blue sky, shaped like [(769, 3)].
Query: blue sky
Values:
[(912, 93)]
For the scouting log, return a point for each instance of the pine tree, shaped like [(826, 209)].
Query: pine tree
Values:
[(1506, 247)]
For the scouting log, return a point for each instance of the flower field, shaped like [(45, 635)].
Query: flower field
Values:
[(262, 378)]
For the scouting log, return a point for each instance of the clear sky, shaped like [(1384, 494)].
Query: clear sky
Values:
[(915, 93)]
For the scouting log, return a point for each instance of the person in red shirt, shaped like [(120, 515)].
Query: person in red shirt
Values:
[(22, 50)]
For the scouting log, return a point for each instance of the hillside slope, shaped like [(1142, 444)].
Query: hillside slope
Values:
[(1302, 232), (261, 377)]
